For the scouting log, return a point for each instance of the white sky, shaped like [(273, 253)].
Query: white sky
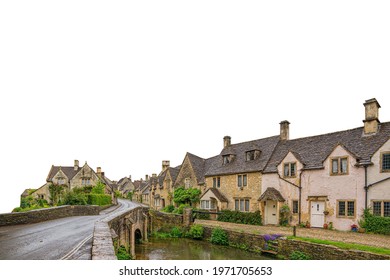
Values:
[(127, 84)]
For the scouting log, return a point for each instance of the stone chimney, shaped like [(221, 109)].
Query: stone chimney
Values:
[(146, 177), (76, 165), (165, 165), (227, 141), (130, 177), (154, 175), (371, 122), (284, 130), (98, 170)]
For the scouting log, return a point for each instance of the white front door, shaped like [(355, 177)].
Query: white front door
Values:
[(271, 212), (317, 214)]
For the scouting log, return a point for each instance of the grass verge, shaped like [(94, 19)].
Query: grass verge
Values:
[(342, 245)]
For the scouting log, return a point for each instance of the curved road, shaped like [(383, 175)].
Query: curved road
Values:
[(66, 238)]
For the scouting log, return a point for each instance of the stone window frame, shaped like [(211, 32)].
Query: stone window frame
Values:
[(60, 181), (216, 182), (381, 162), (289, 165), (245, 200), (86, 181), (225, 159), (339, 173), (250, 155), (157, 202), (187, 182), (295, 206), (345, 216), (244, 183), (382, 207)]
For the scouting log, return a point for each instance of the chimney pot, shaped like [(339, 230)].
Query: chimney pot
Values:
[(371, 122), (76, 164), (227, 141), (98, 170), (284, 130), (154, 175), (165, 165), (146, 177)]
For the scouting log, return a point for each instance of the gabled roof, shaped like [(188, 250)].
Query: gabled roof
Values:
[(68, 171), (271, 194), (198, 165), (218, 194), (240, 164), (312, 151)]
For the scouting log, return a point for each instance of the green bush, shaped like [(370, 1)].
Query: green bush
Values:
[(182, 195), (195, 232), (202, 216), (176, 232), (99, 199), (180, 209), (298, 255), (122, 254), (219, 237), (74, 198), (375, 224), (168, 209), (249, 218), (284, 214)]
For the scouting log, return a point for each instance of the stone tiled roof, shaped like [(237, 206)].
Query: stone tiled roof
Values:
[(68, 171), (271, 194), (312, 151), (218, 195), (266, 146)]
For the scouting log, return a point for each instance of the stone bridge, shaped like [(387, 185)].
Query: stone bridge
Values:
[(131, 227)]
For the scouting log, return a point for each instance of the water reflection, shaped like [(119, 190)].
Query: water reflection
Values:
[(188, 249)]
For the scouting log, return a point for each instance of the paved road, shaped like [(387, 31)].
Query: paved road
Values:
[(66, 238)]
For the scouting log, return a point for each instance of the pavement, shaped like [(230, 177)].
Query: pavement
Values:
[(376, 240), (66, 238)]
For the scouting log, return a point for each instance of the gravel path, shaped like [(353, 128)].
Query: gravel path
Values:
[(375, 240)]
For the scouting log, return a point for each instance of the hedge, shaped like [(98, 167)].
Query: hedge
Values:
[(99, 199), (377, 224), (249, 218)]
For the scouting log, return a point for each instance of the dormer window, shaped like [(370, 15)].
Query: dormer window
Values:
[(339, 166), (290, 169), (226, 159), (86, 182), (60, 181), (250, 155)]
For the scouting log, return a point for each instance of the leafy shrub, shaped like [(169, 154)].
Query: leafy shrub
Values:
[(298, 255), (168, 209), (195, 232), (375, 224), (249, 218), (202, 216), (176, 232), (182, 195), (219, 237), (74, 198), (122, 254), (180, 209), (284, 215), (99, 199)]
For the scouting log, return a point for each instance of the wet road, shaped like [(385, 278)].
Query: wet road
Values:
[(66, 238)]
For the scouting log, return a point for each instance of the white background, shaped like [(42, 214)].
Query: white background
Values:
[(127, 84)]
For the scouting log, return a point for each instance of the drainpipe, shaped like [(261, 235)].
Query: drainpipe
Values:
[(299, 189), (365, 186)]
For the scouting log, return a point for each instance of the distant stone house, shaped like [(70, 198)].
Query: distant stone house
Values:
[(162, 191), (71, 177), (125, 185)]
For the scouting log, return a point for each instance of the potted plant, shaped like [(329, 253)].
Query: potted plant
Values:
[(325, 226), (326, 212), (354, 227), (307, 224)]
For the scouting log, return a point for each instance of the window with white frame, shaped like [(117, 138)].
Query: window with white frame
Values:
[(290, 169), (339, 166), (207, 204), (86, 182), (381, 208), (241, 204)]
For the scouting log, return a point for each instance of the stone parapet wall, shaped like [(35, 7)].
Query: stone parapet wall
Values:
[(165, 221), (41, 215)]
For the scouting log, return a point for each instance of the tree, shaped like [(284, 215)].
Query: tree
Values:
[(56, 192), (130, 195), (189, 196), (99, 188)]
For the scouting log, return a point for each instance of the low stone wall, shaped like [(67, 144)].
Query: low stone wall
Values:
[(102, 246), (252, 242), (324, 252), (164, 221), (45, 214)]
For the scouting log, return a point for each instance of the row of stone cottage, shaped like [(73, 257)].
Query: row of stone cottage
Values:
[(324, 178)]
